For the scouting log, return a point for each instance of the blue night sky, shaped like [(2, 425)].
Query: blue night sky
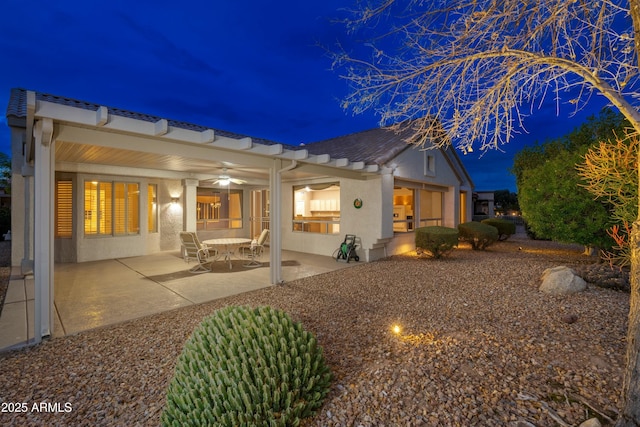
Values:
[(250, 67)]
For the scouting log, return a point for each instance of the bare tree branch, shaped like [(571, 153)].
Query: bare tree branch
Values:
[(481, 67)]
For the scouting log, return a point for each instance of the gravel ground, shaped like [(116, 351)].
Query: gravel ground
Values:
[(480, 345)]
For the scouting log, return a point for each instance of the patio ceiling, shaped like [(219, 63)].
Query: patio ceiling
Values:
[(69, 155)]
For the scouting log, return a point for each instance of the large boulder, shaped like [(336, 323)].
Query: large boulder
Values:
[(561, 280)]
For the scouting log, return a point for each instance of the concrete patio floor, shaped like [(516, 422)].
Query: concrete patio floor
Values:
[(98, 293)]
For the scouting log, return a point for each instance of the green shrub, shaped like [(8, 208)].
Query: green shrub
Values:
[(478, 234), (247, 367), (505, 227), (436, 240)]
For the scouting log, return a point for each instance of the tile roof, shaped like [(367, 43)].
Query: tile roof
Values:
[(373, 146)]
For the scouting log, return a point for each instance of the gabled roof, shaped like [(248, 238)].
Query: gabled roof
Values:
[(379, 146)]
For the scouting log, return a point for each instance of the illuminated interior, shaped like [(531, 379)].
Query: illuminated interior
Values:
[(111, 208), (317, 208), (219, 209)]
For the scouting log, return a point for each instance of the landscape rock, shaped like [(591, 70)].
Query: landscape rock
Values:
[(569, 318), (591, 422), (476, 335), (561, 280)]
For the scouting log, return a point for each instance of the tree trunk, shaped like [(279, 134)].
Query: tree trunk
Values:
[(630, 415)]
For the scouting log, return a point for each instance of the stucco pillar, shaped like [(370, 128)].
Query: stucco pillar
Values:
[(451, 207), (43, 234), (386, 205), (189, 204), (275, 218), (24, 221)]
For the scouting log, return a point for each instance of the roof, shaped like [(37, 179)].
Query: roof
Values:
[(373, 146)]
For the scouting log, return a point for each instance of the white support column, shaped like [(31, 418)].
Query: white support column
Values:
[(275, 217), (26, 264), (386, 203), (190, 204), (43, 235)]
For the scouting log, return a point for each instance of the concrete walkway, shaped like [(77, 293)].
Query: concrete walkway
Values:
[(98, 293)]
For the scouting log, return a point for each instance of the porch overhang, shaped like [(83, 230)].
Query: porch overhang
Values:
[(109, 139)]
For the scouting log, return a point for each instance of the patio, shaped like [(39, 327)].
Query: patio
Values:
[(94, 294)]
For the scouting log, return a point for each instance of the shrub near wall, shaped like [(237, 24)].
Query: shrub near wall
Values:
[(479, 235), (505, 228), (436, 240), (247, 367)]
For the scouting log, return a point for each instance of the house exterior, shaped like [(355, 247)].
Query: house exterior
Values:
[(483, 202), (91, 182)]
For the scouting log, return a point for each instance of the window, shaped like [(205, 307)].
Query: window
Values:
[(64, 209), (152, 208), (219, 209), (317, 208), (430, 208), (259, 211), (429, 164), (111, 208), (463, 207), (414, 207), (403, 207)]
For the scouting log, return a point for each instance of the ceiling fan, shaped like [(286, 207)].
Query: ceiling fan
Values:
[(225, 179)]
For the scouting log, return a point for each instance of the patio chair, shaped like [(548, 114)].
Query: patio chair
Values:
[(255, 250), (192, 248)]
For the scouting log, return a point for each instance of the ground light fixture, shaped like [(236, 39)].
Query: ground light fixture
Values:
[(396, 329)]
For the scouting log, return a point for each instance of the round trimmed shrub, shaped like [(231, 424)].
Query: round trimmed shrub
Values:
[(478, 234), (247, 366), (436, 240), (505, 227)]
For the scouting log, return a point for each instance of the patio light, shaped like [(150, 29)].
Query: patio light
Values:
[(396, 329)]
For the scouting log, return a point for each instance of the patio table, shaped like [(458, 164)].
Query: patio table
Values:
[(227, 243)]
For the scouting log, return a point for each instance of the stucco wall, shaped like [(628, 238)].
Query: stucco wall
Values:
[(170, 220), (366, 223), (373, 222), (410, 164)]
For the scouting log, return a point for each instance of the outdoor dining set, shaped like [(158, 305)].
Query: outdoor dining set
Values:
[(206, 252)]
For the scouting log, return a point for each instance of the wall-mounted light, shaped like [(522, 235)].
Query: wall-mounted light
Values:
[(175, 200)]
